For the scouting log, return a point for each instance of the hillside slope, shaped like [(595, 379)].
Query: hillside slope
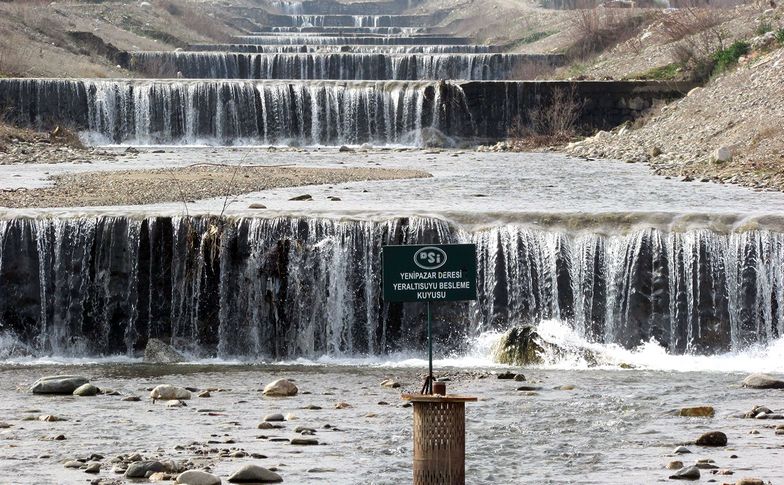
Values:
[(741, 113)]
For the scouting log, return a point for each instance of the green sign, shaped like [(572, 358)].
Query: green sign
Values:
[(438, 272)]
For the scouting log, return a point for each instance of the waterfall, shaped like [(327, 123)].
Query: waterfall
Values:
[(288, 287), (338, 66), (288, 8), (292, 49), (301, 39), (226, 112)]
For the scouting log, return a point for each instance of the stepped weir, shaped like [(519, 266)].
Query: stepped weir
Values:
[(325, 73)]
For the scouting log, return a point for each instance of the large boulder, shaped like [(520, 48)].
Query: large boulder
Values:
[(519, 346), (58, 384), (165, 392), (158, 352), (254, 474), (280, 388), (434, 138), (763, 381), (523, 345)]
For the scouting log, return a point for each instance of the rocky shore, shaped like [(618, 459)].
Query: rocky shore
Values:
[(728, 132), (187, 184), (25, 146)]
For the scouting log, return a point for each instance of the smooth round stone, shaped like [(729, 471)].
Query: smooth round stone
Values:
[(712, 438), (763, 381), (86, 390), (688, 473), (675, 465), (197, 477), (166, 392), (304, 441), (254, 474), (271, 418), (58, 384), (280, 388), (681, 450)]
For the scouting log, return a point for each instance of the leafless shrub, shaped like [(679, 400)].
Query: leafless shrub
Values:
[(694, 34), (596, 29), (554, 121)]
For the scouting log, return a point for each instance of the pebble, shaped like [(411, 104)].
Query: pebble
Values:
[(675, 465), (681, 450), (274, 417)]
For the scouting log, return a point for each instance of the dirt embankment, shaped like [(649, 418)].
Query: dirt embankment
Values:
[(86, 39)]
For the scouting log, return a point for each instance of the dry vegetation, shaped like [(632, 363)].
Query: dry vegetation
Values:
[(597, 29), (555, 122)]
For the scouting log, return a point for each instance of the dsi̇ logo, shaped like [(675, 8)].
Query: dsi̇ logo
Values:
[(430, 258)]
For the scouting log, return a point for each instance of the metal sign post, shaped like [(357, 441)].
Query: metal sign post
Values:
[(444, 272)]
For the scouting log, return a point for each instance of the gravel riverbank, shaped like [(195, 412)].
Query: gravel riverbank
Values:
[(186, 184), (731, 131)]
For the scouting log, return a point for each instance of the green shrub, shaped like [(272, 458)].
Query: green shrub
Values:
[(764, 27), (728, 57), (780, 36), (662, 73)]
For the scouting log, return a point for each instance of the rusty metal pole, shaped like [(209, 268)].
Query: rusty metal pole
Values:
[(439, 439)]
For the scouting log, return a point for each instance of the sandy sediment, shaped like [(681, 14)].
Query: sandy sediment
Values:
[(203, 181)]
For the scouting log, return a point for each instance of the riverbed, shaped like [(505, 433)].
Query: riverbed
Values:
[(613, 427)]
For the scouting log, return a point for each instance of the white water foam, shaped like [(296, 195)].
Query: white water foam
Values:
[(652, 356)]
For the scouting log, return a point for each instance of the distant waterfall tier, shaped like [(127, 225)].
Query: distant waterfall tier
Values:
[(304, 20), (270, 39), (340, 66), (335, 7), (310, 112), (331, 49), (289, 287), (227, 112), (343, 30)]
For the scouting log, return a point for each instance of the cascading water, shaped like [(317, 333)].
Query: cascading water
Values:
[(290, 287), (339, 66), (301, 39), (292, 49), (289, 8), (226, 112)]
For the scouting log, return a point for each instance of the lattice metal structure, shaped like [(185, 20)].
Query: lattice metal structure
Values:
[(439, 439)]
